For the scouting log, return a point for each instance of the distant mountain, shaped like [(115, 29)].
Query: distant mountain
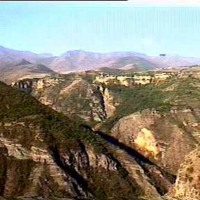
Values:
[(10, 56), (23, 62), (79, 60), (16, 64), (82, 60), (133, 62), (24, 69), (173, 61)]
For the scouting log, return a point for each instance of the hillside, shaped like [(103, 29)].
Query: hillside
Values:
[(23, 69), (170, 61), (70, 94), (11, 56), (159, 121), (132, 62), (44, 154)]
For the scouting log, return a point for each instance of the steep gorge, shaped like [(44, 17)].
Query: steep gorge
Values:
[(45, 154), (151, 143)]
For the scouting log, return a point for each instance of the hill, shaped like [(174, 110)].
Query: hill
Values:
[(171, 61), (16, 64), (46, 155), (12, 57), (23, 69)]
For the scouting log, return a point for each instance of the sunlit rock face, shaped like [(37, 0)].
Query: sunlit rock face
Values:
[(187, 185), (147, 143), (108, 101), (158, 137)]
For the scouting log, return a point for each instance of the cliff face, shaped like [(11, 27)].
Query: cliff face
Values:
[(34, 164), (74, 97), (187, 185), (164, 139), (108, 101), (37, 169)]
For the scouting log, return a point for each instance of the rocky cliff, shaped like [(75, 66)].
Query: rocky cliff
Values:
[(45, 154), (73, 96), (159, 137), (35, 168), (187, 185)]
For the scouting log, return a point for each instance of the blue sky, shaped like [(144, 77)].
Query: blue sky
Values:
[(100, 27)]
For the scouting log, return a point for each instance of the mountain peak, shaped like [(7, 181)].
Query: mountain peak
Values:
[(23, 62)]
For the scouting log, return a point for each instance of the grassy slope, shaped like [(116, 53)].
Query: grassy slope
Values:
[(174, 93), (16, 105)]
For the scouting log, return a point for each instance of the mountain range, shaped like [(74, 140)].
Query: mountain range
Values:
[(16, 64)]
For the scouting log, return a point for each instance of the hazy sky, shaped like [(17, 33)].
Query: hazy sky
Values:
[(100, 27)]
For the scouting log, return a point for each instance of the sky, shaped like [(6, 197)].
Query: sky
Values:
[(141, 26)]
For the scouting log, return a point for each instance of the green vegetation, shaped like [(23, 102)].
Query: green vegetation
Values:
[(111, 185), (15, 104), (18, 106), (174, 93), (134, 99), (186, 93), (140, 98)]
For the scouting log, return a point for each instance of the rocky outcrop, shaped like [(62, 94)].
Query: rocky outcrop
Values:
[(187, 185), (137, 173), (40, 169), (74, 97), (152, 178), (108, 101), (164, 139)]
